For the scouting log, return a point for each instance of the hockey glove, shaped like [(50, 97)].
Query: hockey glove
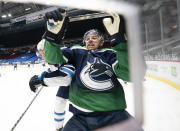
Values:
[(115, 27), (35, 82), (59, 129), (56, 23)]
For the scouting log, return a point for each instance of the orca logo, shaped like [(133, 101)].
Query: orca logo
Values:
[(97, 75)]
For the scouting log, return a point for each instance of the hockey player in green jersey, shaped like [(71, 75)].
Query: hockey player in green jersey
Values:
[(96, 96)]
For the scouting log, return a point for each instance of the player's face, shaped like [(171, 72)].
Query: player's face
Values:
[(93, 42), (41, 54)]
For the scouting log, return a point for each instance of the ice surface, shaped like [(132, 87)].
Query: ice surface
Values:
[(161, 103)]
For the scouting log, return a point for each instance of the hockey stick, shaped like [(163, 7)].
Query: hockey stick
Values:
[(17, 122)]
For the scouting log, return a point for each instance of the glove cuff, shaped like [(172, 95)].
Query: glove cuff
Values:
[(41, 77), (117, 39), (57, 38)]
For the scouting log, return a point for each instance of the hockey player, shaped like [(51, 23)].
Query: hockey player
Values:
[(55, 76), (96, 96)]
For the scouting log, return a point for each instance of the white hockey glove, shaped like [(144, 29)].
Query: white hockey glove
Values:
[(56, 23), (115, 27), (112, 25)]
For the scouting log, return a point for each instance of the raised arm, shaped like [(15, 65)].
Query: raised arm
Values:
[(115, 27), (56, 25)]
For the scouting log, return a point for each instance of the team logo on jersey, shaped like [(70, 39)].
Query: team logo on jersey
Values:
[(97, 75)]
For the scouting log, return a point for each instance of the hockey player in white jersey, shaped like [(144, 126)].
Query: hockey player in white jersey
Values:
[(56, 75)]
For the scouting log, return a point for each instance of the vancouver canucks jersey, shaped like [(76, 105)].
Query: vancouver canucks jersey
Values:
[(95, 86)]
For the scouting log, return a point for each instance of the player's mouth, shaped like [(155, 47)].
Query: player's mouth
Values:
[(90, 46)]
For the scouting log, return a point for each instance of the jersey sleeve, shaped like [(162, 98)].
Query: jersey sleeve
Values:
[(59, 75), (57, 78), (121, 65), (54, 54)]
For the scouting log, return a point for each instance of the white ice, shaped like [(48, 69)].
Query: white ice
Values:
[(161, 103)]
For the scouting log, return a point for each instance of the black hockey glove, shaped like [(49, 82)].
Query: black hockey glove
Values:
[(36, 81), (56, 25), (115, 27), (61, 129)]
